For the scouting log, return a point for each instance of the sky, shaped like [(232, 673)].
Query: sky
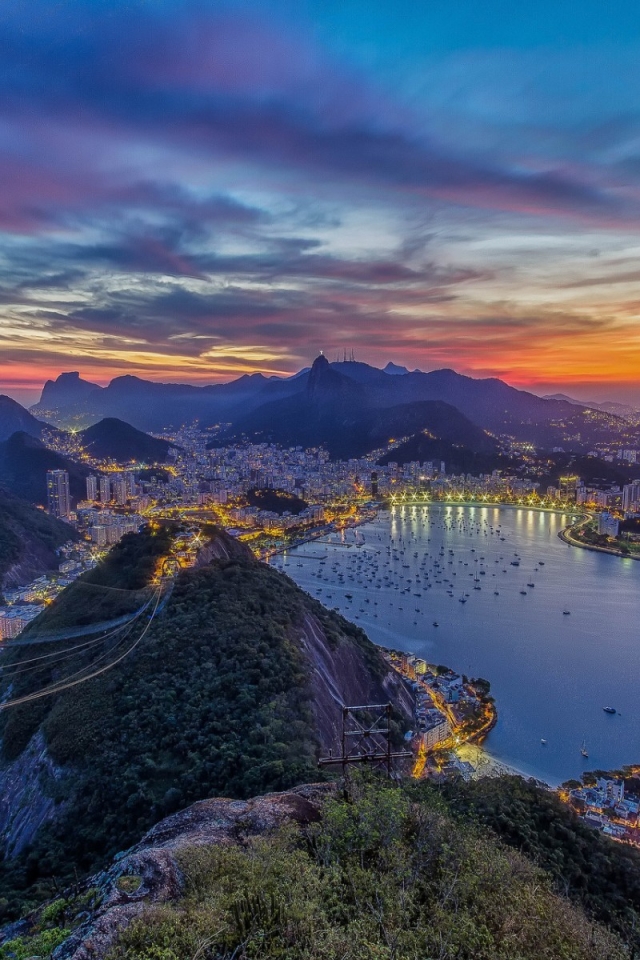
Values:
[(190, 191)]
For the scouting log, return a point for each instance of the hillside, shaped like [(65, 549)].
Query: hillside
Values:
[(28, 541), (333, 410), (235, 689), (14, 418), (24, 461), (458, 457), (385, 872), (113, 439)]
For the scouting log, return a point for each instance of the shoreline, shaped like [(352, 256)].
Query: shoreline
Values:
[(487, 765), (566, 536), (388, 640)]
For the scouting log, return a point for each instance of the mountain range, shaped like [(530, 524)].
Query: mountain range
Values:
[(348, 396), (623, 410)]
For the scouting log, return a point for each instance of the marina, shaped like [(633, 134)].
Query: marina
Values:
[(467, 586)]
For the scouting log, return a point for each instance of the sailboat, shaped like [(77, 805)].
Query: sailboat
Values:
[(583, 749)]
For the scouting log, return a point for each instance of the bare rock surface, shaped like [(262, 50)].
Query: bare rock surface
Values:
[(152, 862), (26, 802), (340, 676)]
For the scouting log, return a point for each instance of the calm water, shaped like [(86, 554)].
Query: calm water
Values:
[(551, 674)]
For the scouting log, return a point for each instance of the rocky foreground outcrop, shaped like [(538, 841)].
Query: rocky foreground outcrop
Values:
[(150, 869)]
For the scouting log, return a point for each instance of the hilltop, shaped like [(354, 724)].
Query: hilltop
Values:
[(28, 541), (14, 418), (236, 688), (113, 439)]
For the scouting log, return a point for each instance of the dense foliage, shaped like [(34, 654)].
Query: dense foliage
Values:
[(215, 701), (278, 501), (379, 877), (602, 875)]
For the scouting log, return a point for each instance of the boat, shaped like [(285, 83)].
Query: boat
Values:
[(566, 613), (609, 709), (543, 741), (515, 563), (435, 623), (583, 749), (531, 584), (523, 592), (462, 599)]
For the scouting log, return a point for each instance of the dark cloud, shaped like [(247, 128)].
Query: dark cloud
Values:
[(224, 87)]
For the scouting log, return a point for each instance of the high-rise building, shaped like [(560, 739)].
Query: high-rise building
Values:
[(130, 478), (608, 525), (105, 489), (58, 496), (120, 490), (631, 497), (569, 487), (92, 488)]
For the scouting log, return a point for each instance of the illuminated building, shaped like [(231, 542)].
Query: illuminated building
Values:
[(13, 620), (92, 488), (608, 526), (631, 497), (568, 487), (436, 733), (58, 497), (105, 489), (120, 491)]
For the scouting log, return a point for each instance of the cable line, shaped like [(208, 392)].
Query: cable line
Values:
[(68, 682)]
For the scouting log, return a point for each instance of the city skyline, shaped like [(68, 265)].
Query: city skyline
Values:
[(191, 193)]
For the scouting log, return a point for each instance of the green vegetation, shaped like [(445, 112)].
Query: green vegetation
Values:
[(52, 927), (603, 876), (216, 701), (128, 883), (587, 533), (25, 528), (381, 876)]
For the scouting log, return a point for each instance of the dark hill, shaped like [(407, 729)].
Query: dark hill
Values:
[(14, 418), (333, 411), (348, 407), (459, 457), (277, 501), (113, 439), (233, 691), (24, 462), (28, 541)]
